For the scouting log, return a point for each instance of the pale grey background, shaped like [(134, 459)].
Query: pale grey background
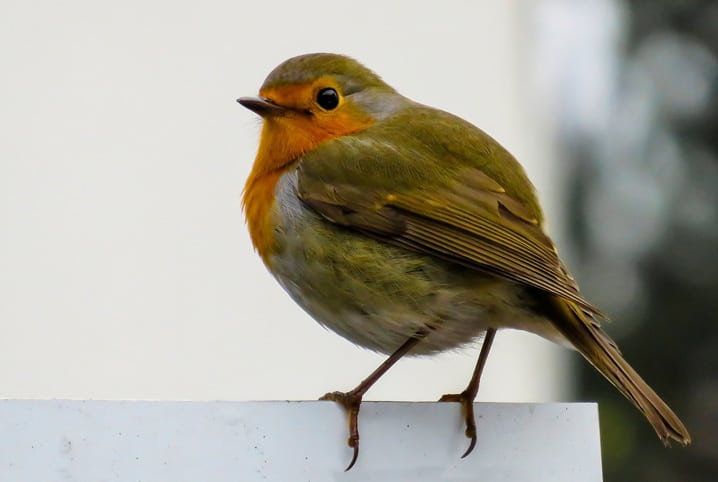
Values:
[(125, 267)]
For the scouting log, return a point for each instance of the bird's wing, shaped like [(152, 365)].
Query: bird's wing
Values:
[(455, 212)]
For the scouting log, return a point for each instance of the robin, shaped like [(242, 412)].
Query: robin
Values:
[(409, 231)]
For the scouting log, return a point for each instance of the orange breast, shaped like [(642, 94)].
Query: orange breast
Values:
[(284, 140), (258, 200)]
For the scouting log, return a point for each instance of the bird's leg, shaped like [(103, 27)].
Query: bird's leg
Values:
[(351, 400), (466, 398)]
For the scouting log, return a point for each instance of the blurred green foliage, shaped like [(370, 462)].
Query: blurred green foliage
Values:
[(655, 267)]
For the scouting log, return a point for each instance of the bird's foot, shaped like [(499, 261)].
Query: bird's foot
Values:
[(351, 401), (467, 409)]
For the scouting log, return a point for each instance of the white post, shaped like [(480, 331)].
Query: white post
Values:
[(59, 440)]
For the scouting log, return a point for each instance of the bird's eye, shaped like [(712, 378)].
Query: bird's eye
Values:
[(328, 99)]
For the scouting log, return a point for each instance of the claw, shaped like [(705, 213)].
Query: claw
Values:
[(466, 398), (472, 444), (354, 458), (467, 408), (351, 402)]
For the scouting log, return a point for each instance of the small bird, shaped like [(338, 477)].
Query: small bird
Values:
[(409, 231)]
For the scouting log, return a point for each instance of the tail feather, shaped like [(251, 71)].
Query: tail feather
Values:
[(582, 330)]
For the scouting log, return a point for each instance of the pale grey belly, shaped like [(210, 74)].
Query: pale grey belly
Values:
[(377, 295)]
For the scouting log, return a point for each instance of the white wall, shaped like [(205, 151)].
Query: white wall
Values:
[(125, 267)]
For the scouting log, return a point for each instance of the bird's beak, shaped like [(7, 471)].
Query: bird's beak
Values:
[(263, 107)]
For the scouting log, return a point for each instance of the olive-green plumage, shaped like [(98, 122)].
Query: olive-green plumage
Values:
[(394, 218)]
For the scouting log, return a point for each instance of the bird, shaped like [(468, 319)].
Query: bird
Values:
[(410, 231)]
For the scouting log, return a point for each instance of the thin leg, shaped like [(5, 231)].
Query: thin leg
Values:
[(352, 400), (466, 398)]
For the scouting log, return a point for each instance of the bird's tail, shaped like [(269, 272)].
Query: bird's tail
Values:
[(582, 330)]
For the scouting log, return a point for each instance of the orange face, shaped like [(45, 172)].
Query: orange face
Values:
[(308, 114), (305, 123)]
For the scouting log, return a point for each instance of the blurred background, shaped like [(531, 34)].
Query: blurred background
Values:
[(632, 88), (126, 271)]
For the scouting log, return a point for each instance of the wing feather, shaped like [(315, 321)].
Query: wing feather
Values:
[(455, 208)]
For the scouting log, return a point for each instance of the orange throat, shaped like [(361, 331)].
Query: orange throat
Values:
[(283, 141)]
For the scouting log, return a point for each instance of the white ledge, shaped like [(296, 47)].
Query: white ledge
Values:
[(53, 440)]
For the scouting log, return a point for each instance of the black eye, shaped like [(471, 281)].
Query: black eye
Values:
[(328, 98)]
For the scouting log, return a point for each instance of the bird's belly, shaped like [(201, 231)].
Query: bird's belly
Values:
[(377, 295)]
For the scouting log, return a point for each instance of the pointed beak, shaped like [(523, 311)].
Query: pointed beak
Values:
[(263, 107)]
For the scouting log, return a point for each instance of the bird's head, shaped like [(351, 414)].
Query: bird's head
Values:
[(313, 98)]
